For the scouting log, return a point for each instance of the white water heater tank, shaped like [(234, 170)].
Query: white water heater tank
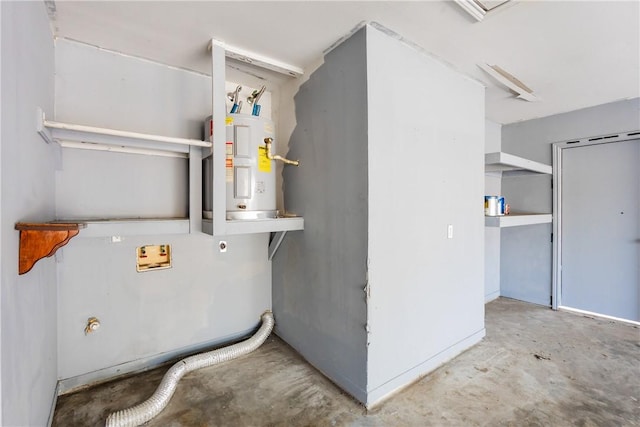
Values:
[(249, 173)]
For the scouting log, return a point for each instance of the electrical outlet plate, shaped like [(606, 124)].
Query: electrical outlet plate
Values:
[(153, 257)]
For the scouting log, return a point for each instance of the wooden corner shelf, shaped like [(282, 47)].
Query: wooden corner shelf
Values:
[(39, 240)]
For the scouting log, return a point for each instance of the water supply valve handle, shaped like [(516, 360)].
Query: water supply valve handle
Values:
[(268, 141)]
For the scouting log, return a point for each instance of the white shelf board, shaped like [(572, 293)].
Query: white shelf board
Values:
[(505, 162), (256, 225), (95, 138), (132, 227), (516, 220)]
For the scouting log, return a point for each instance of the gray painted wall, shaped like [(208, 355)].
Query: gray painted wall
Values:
[(208, 296), (100, 88), (526, 256), (28, 312), (377, 187), (530, 139), (319, 275), (525, 263), (426, 170)]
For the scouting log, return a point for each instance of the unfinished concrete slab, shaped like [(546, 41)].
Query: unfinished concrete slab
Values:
[(535, 367)]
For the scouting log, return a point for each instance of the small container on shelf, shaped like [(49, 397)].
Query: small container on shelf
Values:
[(494, 206)]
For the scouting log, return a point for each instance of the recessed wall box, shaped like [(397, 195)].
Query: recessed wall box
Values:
[(153, 257)]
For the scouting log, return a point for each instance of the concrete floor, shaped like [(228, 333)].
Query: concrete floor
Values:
[(536, 367)]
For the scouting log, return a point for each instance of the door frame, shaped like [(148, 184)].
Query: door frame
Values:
[(557, 147)]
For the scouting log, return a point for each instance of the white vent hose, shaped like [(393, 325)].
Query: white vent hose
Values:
[(140, 414)]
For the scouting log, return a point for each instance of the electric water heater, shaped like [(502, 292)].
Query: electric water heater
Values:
[(250, 170)]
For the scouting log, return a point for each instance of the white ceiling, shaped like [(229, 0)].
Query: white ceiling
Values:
[(573, 54)]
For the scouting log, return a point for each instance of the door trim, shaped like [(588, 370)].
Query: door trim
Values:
[(557, 147)]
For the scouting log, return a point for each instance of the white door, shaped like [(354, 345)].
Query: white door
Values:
[(601, 229)]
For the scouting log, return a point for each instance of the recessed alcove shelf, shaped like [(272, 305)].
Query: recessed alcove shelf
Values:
[(69, 135), (219, 225), (508, 164)]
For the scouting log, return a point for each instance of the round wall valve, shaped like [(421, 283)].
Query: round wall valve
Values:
[(92, 324)]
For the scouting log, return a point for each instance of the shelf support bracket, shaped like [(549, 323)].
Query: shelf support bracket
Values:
[(275, 242), (41, 128), (38, 241)]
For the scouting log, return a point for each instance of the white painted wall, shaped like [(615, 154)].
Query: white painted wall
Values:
[(28, 313), (207, 297), (492, 136), (426, 169), (1, 203), (492, 186)]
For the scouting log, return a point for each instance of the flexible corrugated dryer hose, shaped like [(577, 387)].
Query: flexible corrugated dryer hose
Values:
[(145, 411)]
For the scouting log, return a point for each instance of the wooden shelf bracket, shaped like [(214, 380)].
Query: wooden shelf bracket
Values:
[(40, 240)]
